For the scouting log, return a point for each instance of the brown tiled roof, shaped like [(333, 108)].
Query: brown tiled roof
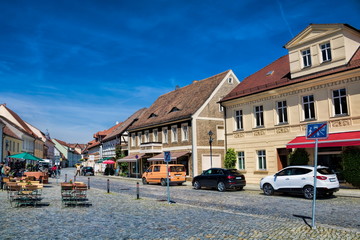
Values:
[(20, 121), (122, 127), (277, 74), (10, 133), (187, 100)]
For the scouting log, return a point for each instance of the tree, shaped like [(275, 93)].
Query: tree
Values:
[(299, 157), (230, 158), (351, 165)]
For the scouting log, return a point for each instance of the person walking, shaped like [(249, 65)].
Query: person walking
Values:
[(78, 168)]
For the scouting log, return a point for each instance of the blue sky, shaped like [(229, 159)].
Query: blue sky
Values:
[(76, 67)]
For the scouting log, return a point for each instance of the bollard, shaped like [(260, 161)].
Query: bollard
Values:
[(137, 190), (65, 177), (108, 186), (88, 182), (74, 178)]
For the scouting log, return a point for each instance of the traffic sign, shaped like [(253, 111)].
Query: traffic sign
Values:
[(167, 157), (317, 130)]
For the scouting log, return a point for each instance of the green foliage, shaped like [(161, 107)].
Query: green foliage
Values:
[(299, 157), (119, 152), (351, 164), (230, 158)]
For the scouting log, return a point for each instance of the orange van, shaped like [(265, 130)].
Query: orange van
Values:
[(157, 174)]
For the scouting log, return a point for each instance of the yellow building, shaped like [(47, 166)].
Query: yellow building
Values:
[(318, 81)]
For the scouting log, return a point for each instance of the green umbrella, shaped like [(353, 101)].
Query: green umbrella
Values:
[(25, 156)]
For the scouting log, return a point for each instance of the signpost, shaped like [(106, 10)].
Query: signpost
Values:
[(137, 173), (167, 159), (316, 131)]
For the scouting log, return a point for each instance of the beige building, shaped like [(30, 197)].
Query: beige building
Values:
[(318, 81), (179, 122)]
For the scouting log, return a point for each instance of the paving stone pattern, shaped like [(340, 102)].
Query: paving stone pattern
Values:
[(121, 216)]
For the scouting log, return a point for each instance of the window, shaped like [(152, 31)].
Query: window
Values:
[(340, 104), (185, 133), (174, 135), (282, 111), (241, 160), (156, 168), (155, 135), (165, 135), (325, 52), (230, 80), (306, 57), (239, 119), (261, 159), (259, 116), (133, 139), (309, 107), (147, 138), (139, 138)]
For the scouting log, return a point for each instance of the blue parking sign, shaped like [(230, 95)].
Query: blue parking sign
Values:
[(317, 130), (167, 156)]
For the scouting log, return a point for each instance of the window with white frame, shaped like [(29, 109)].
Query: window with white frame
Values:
[(309, 107), (155, 135), (174, 135), (306, 57), (133, 140), (185, 133), (281, 108), (241, 160), (147, 137), (325, 52), (238, 119), (165, 137), (261, 159), (340, 102), (139, 138), (259, 116)]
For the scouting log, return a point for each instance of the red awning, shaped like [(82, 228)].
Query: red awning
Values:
[(334, 140), (174, 156)]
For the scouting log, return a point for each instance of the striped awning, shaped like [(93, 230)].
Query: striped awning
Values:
[(174, 156)]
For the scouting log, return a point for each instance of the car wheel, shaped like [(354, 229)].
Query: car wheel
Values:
[(163, 182), (268, 189), (197, 185), (144, 181), (221, 186), (308, 192)]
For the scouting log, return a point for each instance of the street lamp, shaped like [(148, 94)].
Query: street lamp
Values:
[(210, 142), (137, 175)]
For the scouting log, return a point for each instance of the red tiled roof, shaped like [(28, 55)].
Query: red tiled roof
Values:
[(10, 133), (277, 74), (187, 99)]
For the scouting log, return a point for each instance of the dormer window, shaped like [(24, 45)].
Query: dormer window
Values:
[(325, 52), (174, 109), (306, 58), (153, 115)]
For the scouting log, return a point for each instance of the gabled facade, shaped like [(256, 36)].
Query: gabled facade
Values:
[(179, 122), (318, 81), (2, 126), (69, 154)]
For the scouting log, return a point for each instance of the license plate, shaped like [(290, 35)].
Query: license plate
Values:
[(238, 177), (332, 180), (178, 175)]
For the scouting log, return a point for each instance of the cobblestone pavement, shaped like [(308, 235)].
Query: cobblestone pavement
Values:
[(121, 216)]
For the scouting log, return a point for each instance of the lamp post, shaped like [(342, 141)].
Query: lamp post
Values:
[(210, 142), (137, 175)]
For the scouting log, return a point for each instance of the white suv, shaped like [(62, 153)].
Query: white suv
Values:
[(300, 179)]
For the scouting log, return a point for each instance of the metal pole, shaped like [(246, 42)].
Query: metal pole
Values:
[(137, 175), (108, 186), (65, 177), (210, 153), (88, 182), (315, 180), (168, 182), (137, 191)]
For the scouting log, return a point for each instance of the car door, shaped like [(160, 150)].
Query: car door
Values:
[(282, 179), (207, 178)]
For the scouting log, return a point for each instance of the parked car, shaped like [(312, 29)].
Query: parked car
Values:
[(157, 174), (87, 171), (220, 178), (300, 180)]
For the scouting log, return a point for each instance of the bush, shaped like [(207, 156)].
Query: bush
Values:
[(299, 157), (230, 158), (351, 165)]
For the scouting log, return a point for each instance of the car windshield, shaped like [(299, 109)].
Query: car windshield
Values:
[(177, 169), (325, 171), (234, 172)]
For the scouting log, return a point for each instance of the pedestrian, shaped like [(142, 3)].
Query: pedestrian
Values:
[(78, 168)]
